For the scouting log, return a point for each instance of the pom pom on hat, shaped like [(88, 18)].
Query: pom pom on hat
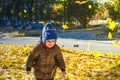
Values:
[(48, 32)]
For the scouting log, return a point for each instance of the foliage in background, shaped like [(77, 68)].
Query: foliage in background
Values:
[(31, 9), (114, 9), (81, 11), (57, 10), (73, 13)]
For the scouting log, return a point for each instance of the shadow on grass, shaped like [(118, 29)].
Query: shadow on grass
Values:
[(9, 30)]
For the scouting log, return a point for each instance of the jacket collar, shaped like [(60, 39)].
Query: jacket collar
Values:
[(44, 46)]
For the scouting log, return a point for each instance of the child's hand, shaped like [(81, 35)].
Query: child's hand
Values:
[(28, 72), (64, 74)]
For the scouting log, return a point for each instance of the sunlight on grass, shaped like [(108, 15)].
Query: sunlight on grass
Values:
[(16, 34)]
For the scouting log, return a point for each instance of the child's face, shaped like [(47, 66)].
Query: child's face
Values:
[(50, 43)]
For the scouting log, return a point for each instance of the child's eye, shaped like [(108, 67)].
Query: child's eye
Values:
[(53, 41), (48, 41)]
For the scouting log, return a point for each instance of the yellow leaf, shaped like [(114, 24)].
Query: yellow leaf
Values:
[(112, 25), (2, 78), (97, 62), (89, 28), (65, 26), (118, 62), (117, 72), (56, 7), (81, 2), (109, 35), (96, 54), (109, 19), (25, 11), (116, 41), (71, 77), (89, 6)]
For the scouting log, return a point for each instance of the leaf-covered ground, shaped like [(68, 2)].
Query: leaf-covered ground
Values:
[(81, 64)]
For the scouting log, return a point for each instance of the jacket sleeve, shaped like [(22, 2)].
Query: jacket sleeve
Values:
[(31, 58), (60, 61)]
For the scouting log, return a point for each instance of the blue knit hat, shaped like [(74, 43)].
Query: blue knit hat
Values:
[(48, 32)]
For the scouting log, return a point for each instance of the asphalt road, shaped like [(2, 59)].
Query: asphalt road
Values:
[(100, 45)]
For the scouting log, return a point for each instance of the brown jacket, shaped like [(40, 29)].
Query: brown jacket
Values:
[(45, 61)]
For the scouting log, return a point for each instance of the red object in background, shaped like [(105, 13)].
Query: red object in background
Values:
[(76, 45)]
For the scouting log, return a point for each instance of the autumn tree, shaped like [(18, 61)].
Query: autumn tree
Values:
[(114, 9), (81, 10)]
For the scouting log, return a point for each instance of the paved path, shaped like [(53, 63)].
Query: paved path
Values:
[(104, 46)]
